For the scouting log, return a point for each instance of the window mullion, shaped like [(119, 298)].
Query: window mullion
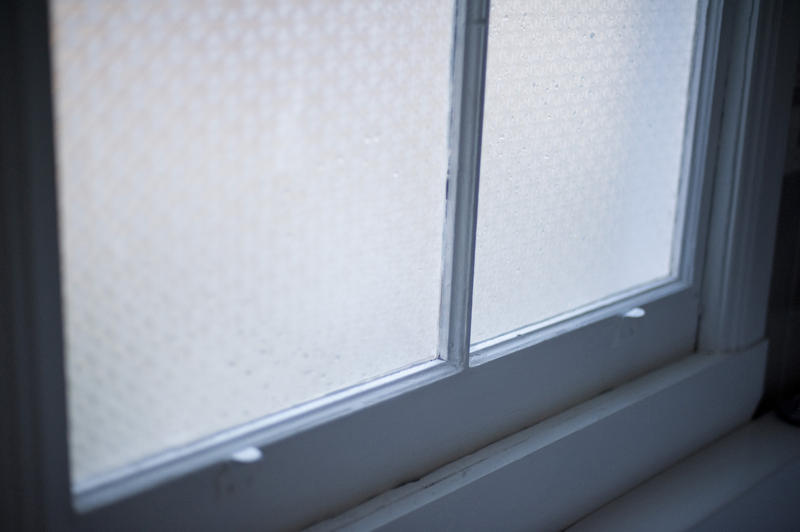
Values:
[(469, 68)]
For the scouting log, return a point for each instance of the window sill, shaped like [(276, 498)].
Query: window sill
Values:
[(746, 472), (612, 443)]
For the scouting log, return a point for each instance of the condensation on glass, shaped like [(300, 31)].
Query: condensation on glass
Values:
[(583, 135), (251, 200)]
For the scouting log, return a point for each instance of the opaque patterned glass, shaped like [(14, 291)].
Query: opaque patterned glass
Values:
[(586, 106), (252, 206)]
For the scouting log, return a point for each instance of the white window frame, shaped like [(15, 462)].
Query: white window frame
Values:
[(519, 402)]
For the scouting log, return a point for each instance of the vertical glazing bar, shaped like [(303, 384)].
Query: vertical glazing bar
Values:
[(468, 75)]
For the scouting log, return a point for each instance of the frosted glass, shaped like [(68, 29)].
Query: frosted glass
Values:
[(583, 132), (252, 203)]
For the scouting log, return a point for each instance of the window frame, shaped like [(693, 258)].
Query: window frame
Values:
[(425, 416)]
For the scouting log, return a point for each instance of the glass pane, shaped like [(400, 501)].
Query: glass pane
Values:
[(586, 103), (252, 203)]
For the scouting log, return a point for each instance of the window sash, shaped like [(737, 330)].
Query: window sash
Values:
[(402, 425), (540, 360)]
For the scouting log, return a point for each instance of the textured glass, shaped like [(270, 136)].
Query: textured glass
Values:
[(583, 133), (252, 203)]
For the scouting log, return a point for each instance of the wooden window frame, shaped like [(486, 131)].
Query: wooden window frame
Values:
[(328, 455)]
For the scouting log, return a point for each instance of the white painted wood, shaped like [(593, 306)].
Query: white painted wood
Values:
[(695, 193), (469, 71), (701, 123), (453, 414), (708, 482), (553, 473), (709, 76), (345, 449), (145, 474), (547, 476), (373, 441), (747, 184), (769, 505), (613, 306)]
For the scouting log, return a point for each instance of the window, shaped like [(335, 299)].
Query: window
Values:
[(365, 439), (582, 183), (244, 231)]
